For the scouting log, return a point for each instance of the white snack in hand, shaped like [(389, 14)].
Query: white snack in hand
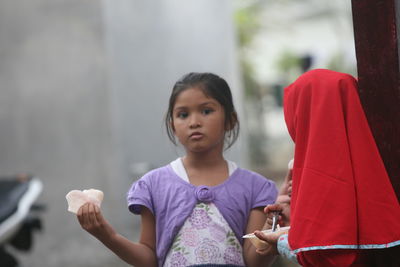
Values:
[(261, 244), (76, 198)]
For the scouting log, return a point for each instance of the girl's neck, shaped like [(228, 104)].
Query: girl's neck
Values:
[(203, 160), (202, 163), (209, 171)]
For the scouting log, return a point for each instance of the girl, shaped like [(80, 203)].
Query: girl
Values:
[(344, 211), (194, 210)]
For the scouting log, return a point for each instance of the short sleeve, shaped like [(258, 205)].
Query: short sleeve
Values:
[(265, 193), (140, 195)]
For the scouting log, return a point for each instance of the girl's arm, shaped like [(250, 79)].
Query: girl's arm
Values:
[(137, 254), (251, 257)]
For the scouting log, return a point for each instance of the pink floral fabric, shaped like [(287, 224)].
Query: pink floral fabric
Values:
[(205, 238)]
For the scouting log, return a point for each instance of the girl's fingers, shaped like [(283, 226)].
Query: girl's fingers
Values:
[(81, 215), (98, 215), (91, 214), (88, 215), (85, 214)]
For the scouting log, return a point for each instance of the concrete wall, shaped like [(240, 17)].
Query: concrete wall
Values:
[(152, 44), (83, 90)]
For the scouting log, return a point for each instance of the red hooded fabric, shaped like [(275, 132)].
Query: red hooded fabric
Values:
[(342, 197)]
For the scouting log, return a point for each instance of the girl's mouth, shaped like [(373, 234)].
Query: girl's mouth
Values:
[(196, 136)]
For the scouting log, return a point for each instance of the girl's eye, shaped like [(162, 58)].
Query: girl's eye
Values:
[(182, 115), (207, 111)]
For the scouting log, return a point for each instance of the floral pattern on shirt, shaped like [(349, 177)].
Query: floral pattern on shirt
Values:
[(199, 217), (178, 260), (205, 237), (190, 237), (218, 232), (208, 251), (233, 255)]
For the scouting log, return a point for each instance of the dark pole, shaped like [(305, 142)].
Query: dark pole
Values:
[(376, 40)]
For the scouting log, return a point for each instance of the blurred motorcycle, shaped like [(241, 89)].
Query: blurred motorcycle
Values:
[(19, 215)]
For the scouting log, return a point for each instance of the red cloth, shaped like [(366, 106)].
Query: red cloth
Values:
[(342, 194)]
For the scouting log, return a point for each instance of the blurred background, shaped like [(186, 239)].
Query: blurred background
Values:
[(85, 85)]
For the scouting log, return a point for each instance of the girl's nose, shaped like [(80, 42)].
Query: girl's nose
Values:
[(194, 122), (195, 125)]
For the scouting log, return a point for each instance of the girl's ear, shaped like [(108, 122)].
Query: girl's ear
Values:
[(232, 122), (171, 124)]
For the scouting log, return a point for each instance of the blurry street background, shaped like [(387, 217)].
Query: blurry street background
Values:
[(84, 87)]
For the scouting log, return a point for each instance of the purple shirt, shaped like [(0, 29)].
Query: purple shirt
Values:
[(172, 200)]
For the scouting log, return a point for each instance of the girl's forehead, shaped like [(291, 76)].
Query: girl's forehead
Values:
[(193, 95)]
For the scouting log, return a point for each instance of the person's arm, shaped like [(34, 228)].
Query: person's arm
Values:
[(277, 244), (251, 257), (137, 254), (286, 188), (282, 203)]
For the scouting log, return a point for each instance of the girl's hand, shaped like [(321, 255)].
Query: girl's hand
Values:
[(91, 219)]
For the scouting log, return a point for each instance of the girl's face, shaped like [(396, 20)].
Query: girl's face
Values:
[(198, 121)]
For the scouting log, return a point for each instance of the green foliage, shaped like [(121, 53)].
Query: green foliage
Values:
[(287, 61), (338, 63), (247, 22)]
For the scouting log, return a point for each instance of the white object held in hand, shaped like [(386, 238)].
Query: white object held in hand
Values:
[(261, 244), (76, 198)]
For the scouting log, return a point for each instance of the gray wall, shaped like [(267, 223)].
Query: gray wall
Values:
[(152, 44), (83, 89)]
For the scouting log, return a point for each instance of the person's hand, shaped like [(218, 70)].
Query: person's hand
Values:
[(283, 199), (271, 239), (286, 188), (289, 185), (284, 214), (91, 220)]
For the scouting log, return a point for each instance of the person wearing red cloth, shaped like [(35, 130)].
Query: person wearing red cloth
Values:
[(343, 209)]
